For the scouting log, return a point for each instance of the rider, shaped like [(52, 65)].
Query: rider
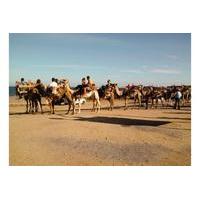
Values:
[(109, 85), (39, 85), (67, 86), (21, 87), (84, 85), (17, 89), (90, 83), (22, 81), (53, 85)]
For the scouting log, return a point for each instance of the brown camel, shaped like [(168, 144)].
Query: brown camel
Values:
[(62, 92), (31, 96), (109, 93), (133, 92)]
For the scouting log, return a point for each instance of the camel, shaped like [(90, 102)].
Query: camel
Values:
[(73, 97), (31, 96), (109, 93), (186, 94), (156, 95), (62, 92), (146, 92), (133, 92), (94, 95)]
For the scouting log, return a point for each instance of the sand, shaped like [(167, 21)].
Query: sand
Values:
[(120, 137)]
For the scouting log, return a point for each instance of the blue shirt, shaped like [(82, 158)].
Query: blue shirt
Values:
[(178, 95)]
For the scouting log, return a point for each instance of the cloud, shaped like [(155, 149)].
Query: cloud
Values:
[(61, 66), (149, 69), (132, 71), (172, 56), (165, 70)]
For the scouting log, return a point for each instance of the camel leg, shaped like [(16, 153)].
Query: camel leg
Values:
[(147, 103), (162, 101), (140, 102), (156, 103), (134, 102), (93, 108), (27, 106), (98, 105), (109, 105), (69, 108), (53, 105), (41, 106), (126, 101), (50, 105), (73, 107), (112, 104), (31, 106), (36, 105), (79, 107), (29, 110)]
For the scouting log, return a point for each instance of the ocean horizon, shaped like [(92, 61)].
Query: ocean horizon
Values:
[(12, 91)]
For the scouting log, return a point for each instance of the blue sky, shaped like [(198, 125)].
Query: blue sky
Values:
[(158, 59)]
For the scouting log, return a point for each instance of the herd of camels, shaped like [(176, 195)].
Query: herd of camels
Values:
[(142, 95)]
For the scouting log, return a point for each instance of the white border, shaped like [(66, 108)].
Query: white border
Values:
[(98, 182)]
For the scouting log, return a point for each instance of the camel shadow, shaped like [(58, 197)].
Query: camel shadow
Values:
[(123, 121)]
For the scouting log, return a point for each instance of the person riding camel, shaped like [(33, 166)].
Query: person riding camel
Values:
[(21, 87), (38, 83), (40, 86), (109, 86), (84, 86), (108, 83), (67, 86), (53, 85), (90, 83), (22, 81)]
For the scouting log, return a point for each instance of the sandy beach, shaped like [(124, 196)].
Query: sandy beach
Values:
[(120, 137)]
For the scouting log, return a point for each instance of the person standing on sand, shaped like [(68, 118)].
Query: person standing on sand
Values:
[(177, 97)]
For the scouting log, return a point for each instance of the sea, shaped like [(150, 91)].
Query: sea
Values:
[(12, 91)]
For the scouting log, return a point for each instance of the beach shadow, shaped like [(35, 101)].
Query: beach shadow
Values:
[(123, 121)]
